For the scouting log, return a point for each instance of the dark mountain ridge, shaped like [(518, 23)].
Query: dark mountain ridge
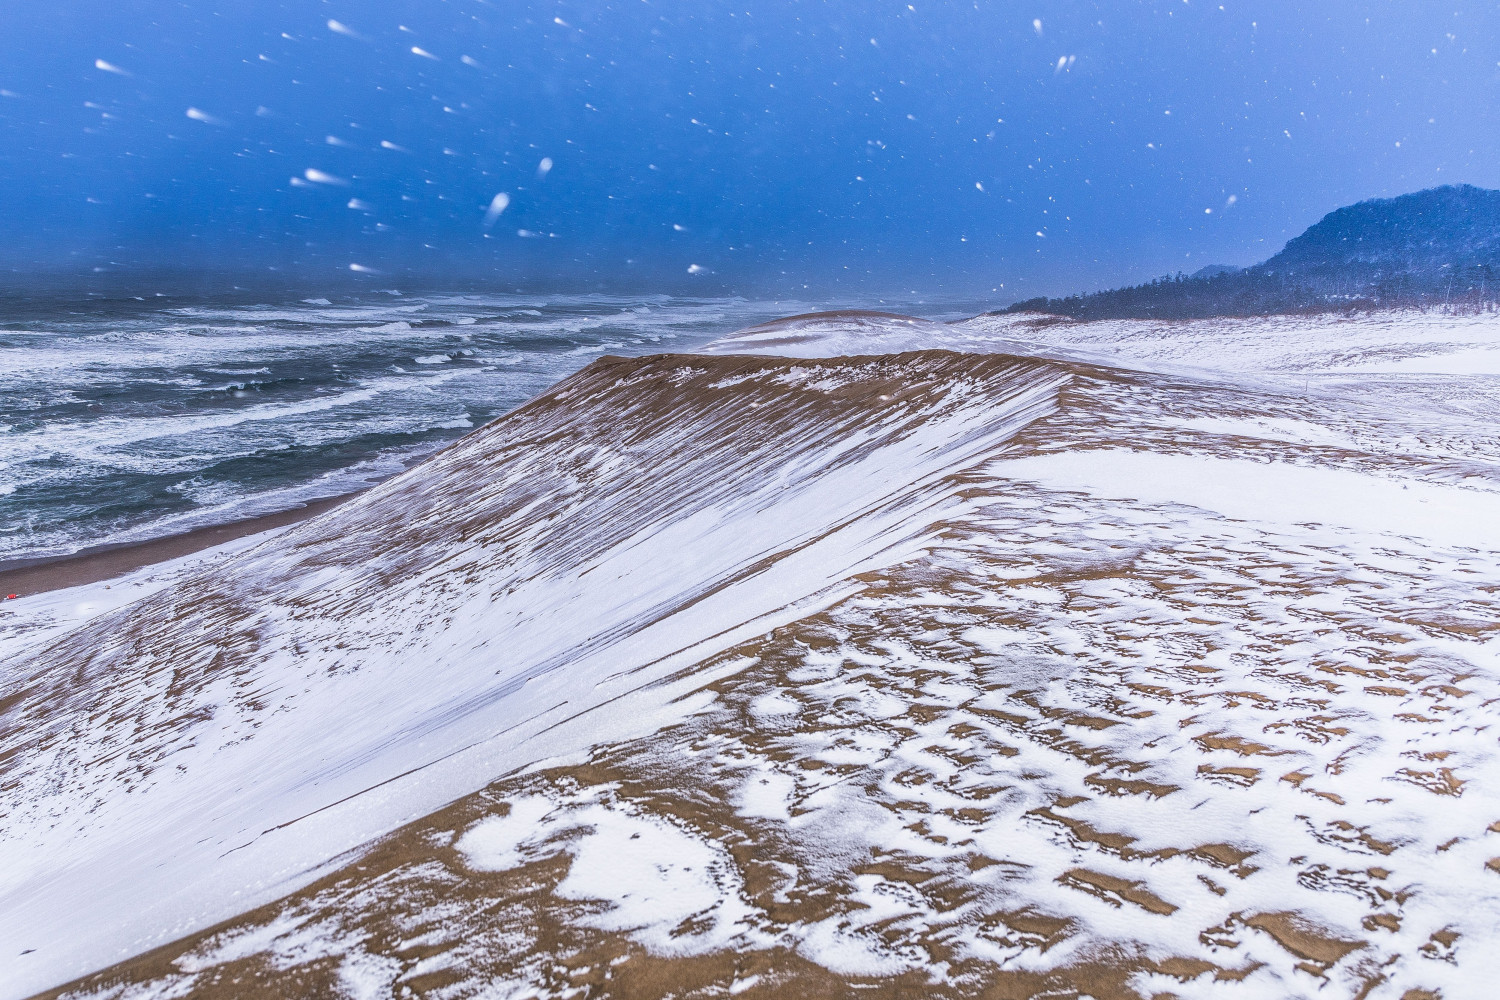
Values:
[(1439, 247)]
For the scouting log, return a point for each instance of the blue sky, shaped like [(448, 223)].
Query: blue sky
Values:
[(999, 149)]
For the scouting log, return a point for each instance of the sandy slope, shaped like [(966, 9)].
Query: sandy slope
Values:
[(528, 592), (1173, 673)]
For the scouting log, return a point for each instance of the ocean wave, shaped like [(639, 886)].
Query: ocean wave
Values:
[(114, 432)]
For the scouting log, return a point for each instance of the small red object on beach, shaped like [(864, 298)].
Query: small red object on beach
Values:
[(11, 597)]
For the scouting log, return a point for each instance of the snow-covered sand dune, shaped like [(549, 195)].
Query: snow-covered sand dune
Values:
[(1367, 343), (1118, 660), (529, 591)]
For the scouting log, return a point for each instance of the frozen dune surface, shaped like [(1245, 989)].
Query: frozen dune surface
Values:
[(1004, 658)]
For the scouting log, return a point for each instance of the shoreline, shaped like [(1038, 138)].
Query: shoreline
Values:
[(105, 562)]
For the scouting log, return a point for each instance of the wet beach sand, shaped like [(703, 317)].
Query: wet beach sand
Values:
[(106, 562)]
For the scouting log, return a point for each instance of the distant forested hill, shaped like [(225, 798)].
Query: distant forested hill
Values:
[(1432, 248)]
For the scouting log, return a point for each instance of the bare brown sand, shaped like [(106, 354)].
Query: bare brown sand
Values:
[(105, 562)]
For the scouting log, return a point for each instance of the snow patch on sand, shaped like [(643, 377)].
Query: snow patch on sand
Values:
[(1276, 492), (672, 889)]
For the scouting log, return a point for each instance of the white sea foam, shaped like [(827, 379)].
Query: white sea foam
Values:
[(92, 439)]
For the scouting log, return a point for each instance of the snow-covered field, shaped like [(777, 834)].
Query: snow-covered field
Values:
[(1117, 659)]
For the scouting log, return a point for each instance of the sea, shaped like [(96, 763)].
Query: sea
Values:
[(121, 422)]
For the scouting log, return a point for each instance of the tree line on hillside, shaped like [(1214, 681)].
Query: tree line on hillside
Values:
[(1438, 248), (1257, 292)]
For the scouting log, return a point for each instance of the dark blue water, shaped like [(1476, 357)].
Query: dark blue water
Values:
[(120, 424)]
